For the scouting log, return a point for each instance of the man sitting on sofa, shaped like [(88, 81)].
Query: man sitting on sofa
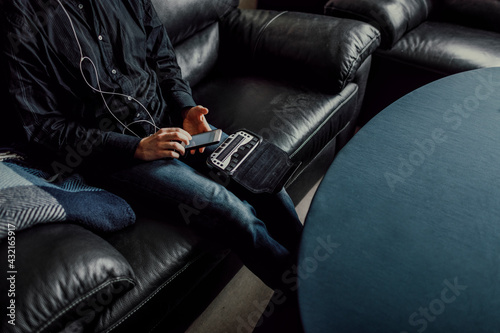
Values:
[(98, 89)]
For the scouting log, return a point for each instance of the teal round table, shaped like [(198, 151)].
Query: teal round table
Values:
[(403, 234)]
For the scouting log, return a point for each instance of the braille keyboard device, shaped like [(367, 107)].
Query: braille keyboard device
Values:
[(234, 150), (253, 162)]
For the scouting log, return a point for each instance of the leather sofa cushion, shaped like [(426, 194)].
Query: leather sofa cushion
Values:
[(168, 260), (393, 18), (447, 48), (296, 119), (72, 280)]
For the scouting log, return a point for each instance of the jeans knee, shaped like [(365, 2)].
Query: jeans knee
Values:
[(250, 227)]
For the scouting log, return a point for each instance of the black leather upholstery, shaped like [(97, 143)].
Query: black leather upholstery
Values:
[(296, 119), (198, 55), (308, 6), (63, 270), (184, 18), (168, 261), (297, 79), (262, 39), (423, 40), (393, 18), (446, 49), (481, 14)]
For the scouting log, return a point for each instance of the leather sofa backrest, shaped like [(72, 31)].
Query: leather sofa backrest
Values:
[(183, 18), (393, 18), (306, 6), (483, 14), (193, 28)]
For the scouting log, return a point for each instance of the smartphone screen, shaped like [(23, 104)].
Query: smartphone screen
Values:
[(205, 139)]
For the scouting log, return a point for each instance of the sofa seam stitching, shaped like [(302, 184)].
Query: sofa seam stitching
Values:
[(140, 305), (363, 50), (261, 32), (81, 298)]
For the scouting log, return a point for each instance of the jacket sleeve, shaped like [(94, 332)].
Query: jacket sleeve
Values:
[(41, 103), (161, 57)]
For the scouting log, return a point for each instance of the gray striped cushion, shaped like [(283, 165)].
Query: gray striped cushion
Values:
[(27, 198)]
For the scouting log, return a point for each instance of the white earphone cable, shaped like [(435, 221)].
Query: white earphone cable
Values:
[(98, 89)]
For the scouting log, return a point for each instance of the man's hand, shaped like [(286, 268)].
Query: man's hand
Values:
[(164, 143), (195, 122)]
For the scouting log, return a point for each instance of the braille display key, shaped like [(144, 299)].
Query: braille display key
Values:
[(230, 148)]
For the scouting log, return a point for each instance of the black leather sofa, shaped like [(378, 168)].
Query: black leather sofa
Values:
[(423, 40), (305, 6), (295, 78)]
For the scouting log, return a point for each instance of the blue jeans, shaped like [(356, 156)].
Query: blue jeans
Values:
[(263, 230)]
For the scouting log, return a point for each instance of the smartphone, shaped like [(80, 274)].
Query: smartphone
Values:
[(204, 139)]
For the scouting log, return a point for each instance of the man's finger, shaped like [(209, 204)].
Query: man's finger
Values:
[(202, 109), (172, 132), (173, 146), (176, 136)]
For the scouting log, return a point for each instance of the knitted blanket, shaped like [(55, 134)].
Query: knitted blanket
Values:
[(27, 199)]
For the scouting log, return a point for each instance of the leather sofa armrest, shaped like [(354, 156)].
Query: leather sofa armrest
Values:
[(393, 18), (308, 47), (65, 276)]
